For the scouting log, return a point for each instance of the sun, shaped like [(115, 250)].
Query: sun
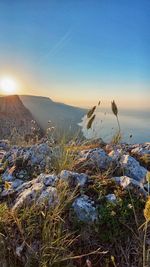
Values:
[(8, 85)]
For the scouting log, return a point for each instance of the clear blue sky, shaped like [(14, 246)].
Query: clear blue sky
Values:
[(78, 51)]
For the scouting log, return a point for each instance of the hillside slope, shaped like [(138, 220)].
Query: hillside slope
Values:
[(64, 117), (14, 115)]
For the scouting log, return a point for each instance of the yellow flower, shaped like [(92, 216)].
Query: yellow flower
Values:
[(147, 210), (7, 185), (148, 177)]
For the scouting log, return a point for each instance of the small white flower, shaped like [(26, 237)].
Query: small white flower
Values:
[(130, 206)]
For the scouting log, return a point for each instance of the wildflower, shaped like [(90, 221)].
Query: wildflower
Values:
[(130, 206), (147, 210), (7, 185)]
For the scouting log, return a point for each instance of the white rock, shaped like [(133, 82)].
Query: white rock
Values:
[(28, 196), (132, 168), (73, 177), (129, 183), (84, 209), (49, 195), (97, 157), (111, 198)]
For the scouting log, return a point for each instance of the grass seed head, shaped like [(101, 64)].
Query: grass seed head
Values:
[(114, 108)]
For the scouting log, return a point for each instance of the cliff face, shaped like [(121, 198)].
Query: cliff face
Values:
[(14, 115)]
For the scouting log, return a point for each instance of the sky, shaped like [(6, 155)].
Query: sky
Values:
[(78, 51)]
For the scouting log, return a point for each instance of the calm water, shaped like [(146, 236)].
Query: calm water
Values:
[(132, 123)]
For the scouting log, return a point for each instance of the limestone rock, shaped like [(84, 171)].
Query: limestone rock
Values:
[(84, 209), (132, 168), (74, 178), (111, 198), (98, 157), (129, 183)]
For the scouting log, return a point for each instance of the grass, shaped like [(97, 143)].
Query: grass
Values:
[(44, 227), (54, 237)]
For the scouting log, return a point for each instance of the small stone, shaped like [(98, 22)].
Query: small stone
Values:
[(111, 198), (84, 209)]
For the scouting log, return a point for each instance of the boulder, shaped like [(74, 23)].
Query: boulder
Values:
[(84, 209), (74, 178), (97, 157), (132, 168), (128, 183)]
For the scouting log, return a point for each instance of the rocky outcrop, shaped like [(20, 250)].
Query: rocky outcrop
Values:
[(22, 162), (19, 166)]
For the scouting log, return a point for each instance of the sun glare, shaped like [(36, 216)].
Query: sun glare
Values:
[(8, 86)]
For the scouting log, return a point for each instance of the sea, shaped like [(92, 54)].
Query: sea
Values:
[(135, 126)]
